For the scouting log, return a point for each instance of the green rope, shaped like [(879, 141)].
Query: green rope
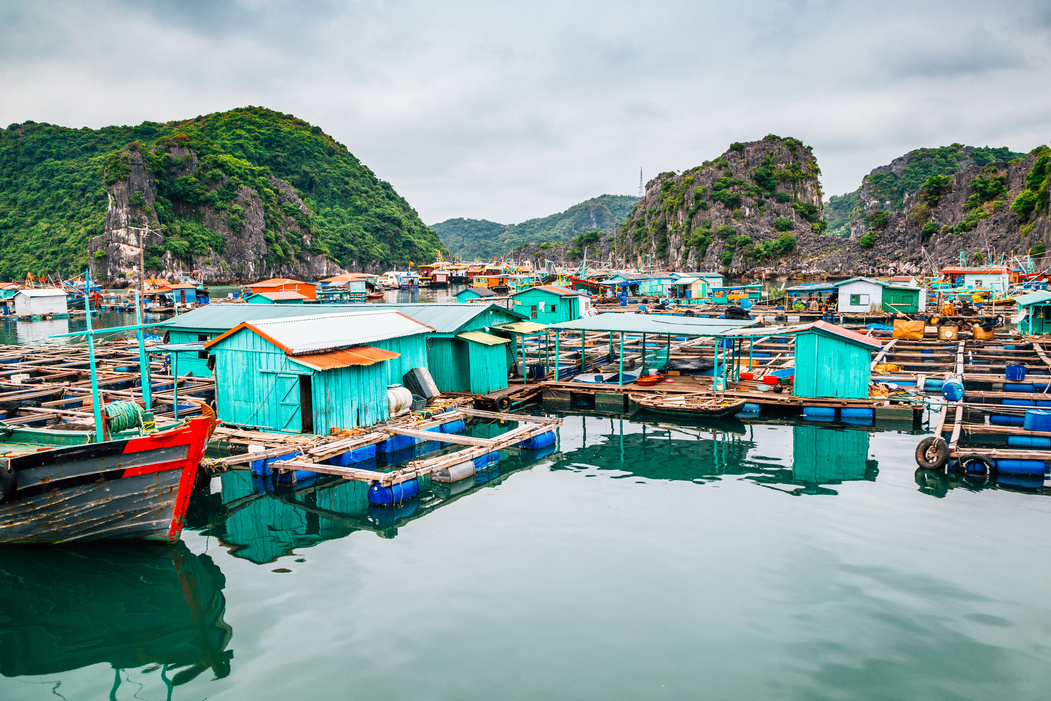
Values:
[(123, 416)]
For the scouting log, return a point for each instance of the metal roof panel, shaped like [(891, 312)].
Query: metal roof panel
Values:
[(617, 322), (486, 339), (358, 355)]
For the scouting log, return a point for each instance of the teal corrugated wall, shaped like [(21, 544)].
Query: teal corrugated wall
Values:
[(189, 361), (350, 397), (828, 367), (413, 351), (566, 309), (449, 363), (488, 367)]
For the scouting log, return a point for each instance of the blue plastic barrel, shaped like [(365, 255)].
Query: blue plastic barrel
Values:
[(394, 494), (819, 413), (1015, 373), (1037, 420), (933, 384), (856, 413), (1038, 442), (952, 390), (1020, 467), (395, 443), (454, 426), (751, 408), (1018, 402), (262, 465), (538, 442), (1008, 387), (357, 455), (1004, 420), (487, 460)]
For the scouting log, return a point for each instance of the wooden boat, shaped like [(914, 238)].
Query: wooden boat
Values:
[(687, 404), (375, 295), (59, 486)]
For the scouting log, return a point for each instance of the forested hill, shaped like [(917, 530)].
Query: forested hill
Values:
[(241, 194), (479, 238)]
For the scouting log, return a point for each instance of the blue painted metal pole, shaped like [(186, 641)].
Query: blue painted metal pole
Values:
[(175, 385), (557, 356), (620, 380), (99, 428), (144, 365)]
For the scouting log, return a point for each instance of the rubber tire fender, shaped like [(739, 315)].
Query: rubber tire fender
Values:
[(8, 482), (964, 460), (932, 453), (503, 403)]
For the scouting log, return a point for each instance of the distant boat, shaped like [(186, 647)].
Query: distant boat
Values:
[(687, 404)]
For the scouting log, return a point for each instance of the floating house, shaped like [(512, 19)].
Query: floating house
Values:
[(811, 297), (307, 289), (992, 278), (1035, 309), (288, 297), (40, 301), (640, 284), (864, 295), (314, 373), (689, 288), (713, 279), (469, 294), (550, 304), (457, 363)]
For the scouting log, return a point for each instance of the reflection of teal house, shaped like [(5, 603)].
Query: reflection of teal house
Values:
[(1036, 313), (822, 455), (549, 304), (314, 373)]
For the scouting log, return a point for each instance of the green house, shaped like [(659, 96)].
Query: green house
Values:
[(1035, 308), (550, 304), (316, 373), (469, 294), (831, 361)]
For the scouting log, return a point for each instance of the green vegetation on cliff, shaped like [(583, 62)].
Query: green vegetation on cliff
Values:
[(53, 198), (479, 238)]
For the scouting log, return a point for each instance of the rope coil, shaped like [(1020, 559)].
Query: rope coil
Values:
[(123, 416)]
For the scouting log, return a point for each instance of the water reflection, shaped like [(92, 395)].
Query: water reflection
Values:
[(262, 522), (706, 450), (938, 483), (122, 605)]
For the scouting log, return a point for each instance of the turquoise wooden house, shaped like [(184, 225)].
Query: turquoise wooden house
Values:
[(316, 373), (469, 294), (285, 297), (1035, 308), (550, 304), (831, 361)]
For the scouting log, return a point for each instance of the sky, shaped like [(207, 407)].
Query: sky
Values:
[(510, 111)]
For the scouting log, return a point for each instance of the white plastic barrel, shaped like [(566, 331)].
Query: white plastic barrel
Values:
[(399, 400), (454, 473)]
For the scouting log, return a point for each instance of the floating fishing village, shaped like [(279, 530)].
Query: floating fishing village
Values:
[(416, 351)]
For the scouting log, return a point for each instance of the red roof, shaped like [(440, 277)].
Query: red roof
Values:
[(358, 355), (972, 271), (277, 282), (281, 295)]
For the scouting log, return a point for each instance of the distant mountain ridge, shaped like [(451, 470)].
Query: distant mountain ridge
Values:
[(483, 239)]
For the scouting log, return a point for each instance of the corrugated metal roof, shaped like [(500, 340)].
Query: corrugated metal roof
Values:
[(820, 326), (443, 318), (686, 280), (358, 355), (522, 327), (480, 291), (1032, 298), (486, 339), (323, 332), (654, 323), (43, 292), (278, 296)]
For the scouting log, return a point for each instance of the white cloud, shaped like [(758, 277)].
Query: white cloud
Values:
[(511, 111)]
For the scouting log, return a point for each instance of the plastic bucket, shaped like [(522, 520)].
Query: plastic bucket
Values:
[(1015, 373), (1037, 420)]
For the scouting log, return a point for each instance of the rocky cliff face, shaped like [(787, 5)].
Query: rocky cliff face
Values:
[(754, 211), (228, 227), (985, 210)]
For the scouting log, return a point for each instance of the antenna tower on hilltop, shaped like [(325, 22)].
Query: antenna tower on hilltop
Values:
[(640, 183)]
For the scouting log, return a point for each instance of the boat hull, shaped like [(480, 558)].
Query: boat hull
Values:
[(135, 488)]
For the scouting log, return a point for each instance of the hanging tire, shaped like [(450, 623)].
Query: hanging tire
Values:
[(975, 463), (932, 453), (8, 482), (503, 403), (202, 479)]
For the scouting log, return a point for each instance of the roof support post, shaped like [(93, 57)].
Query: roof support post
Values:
[(558, 358), (620, 380)]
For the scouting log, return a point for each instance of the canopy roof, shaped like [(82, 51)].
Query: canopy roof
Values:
[(616, 322), (1028, 300), (486, 339), (525, 328)]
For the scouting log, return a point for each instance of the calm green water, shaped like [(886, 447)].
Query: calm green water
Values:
[(638, 560)]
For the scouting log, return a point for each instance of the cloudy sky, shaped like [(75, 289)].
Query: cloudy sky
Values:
[(508, 111)]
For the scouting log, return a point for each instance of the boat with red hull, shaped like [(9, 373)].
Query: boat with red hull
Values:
[(59, 486)]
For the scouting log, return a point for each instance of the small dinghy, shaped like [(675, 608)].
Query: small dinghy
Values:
[(687, 404)]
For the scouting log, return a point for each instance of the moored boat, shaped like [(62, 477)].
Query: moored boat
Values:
[(687, 404), (59, 486)]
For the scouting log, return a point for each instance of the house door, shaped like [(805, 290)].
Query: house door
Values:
[(288, 408)]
